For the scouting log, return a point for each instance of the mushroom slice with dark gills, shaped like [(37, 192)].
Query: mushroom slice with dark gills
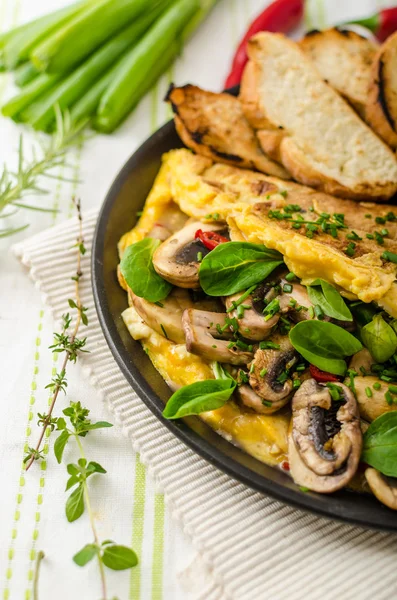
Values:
[(207, 334), (325, 439), (176, 258), (383, 487), (269, 375), (251, 320), (166, 316)]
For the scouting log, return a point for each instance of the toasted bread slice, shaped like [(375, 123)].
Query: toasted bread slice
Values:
[(214, 125), (324, 144), (344, 59), (381, 109)]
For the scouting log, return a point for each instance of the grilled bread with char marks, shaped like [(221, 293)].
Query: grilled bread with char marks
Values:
[(214, 125), (317, 136)]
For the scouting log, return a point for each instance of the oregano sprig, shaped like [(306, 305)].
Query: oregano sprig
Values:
[(66, 341)]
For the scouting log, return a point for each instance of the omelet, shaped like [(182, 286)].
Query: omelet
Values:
[(348, 256), (250, 204)]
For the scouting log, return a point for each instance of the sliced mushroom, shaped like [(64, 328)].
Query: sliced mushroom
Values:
[(252, 324), (291, 302), (362, 361), (204, 338), (325, 441), (383, 487), (269, 372), (372, 402), (252, 400), (166, 317), (176, 258)]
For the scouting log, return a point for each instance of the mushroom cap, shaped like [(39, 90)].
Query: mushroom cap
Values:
[(325, 439), (167, 317), (249, 398), (176, 258), (253, 325), (203, 337), (384, 488), (372, 407), (267, 367)]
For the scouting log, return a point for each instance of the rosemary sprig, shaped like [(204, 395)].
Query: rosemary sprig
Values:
[(64, 342), (14, 186)]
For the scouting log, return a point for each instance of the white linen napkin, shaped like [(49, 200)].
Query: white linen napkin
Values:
[(249, 546)]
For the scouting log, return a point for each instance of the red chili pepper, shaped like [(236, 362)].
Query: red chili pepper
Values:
[(280, 16), (210, 239), (322, 376), (285, 465), (382, 24)]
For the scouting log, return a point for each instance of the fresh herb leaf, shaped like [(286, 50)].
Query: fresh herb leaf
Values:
[(119, 558), (380, 444), (329, 300), (97, 425), (75, 504), (234, 266), (60, 443), (324, 345), (138, 271), (380, 339), (85, 555), (199, 397), (94, 467)]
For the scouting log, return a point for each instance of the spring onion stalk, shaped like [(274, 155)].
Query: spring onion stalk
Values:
[(86, 107), (17, 49), (118, 99), (82, 35), (205, 8), (41, 114), (25, 73), (30, 92)]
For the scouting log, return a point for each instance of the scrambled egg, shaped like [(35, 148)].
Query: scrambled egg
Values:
[(242, 198), (262, 436)]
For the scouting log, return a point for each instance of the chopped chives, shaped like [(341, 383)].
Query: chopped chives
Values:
[(351, 248), (287, 288), (390, 256), (263, 372), (393, 389), (296, 383), (160, 304), (368, 391), (290, 277), (377, 385), (370, 236), (267, 403), (199, 256), (388, 398), (311, 312), (318, 312)]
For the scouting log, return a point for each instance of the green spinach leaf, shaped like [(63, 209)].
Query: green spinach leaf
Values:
[(324, 345), (235, 266), (380, 339), (329, 300), (199, 397), (138, 271), (380, 444)]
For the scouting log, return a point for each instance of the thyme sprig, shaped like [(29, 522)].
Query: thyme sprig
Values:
[(14, 186), (75, 424), (66, 342)]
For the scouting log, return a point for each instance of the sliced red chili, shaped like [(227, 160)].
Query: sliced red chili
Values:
[(322, 376), (210, 239), (285, 465)]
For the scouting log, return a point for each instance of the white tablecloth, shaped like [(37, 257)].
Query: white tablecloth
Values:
[(127, 506)]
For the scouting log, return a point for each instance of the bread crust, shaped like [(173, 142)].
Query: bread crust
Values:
[(381, 108), (344, 59), (214, 125)]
